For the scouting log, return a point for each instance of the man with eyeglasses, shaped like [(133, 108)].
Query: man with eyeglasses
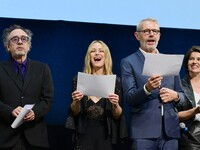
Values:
[(154, 120), (23, 81)]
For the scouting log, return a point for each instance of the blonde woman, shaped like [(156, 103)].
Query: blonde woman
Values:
[(97, 120)]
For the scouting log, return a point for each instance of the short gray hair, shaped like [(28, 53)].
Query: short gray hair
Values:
[(139, 26), (7, 31)]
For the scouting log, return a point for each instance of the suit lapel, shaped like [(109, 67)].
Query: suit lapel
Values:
[(10, 70), (187, 88), (141, 55)]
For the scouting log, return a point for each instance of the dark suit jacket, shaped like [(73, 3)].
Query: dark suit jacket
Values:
[(37, 89), (190, 100), (146, 120), (192, 141)]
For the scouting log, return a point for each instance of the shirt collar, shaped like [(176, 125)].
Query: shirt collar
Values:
[(16, 64), (24, 63), (143, 52)]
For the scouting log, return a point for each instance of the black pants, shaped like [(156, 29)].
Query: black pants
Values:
[(22, 144)]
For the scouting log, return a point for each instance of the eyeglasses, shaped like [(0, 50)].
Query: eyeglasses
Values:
[(148, 31), (16, 39)]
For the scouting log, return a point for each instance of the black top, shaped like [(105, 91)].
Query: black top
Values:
[(116, 129)]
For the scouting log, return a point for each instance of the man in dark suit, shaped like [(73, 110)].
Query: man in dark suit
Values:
[(154, 120), (23, 81)]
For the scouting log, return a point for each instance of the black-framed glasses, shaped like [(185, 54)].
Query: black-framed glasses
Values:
[(148, 31), (16, 39)]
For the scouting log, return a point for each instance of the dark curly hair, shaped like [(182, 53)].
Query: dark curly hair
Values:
[(7, 31), (187, 55)]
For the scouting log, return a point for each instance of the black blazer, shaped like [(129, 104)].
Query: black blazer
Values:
[(37, 89), (193, 126)]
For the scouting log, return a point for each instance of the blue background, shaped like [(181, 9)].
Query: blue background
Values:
[(63, 45)]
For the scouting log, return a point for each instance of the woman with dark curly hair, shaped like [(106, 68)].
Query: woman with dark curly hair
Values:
[(189, 113)]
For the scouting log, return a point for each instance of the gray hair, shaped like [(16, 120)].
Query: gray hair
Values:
[(139, 26), (7, 31)]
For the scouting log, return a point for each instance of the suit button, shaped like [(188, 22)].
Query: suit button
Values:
[(22, 97), (159, 107)]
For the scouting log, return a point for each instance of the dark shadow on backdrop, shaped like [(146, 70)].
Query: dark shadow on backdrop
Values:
[(62, 45)]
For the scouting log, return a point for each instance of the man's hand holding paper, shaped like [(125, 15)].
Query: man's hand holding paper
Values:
[(22, 114)]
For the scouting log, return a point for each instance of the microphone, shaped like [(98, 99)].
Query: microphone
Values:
[(183, 127), (186, 132)]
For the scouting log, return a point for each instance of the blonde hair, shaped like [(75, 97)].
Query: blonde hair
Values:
[(108, 59)]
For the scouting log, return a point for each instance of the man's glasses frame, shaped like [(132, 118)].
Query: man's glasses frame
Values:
[(148, 31), (16, 39)]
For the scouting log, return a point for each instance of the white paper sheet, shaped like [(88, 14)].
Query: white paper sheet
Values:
[(162, 64), (96, 85), (19, 120)]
